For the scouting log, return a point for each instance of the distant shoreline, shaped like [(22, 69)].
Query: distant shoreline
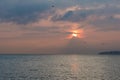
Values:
[(109, 53)]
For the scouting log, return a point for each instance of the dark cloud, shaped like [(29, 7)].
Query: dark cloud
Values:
[(74, 16), (22, 11), (67, 15), (26, 11), (82, 14)]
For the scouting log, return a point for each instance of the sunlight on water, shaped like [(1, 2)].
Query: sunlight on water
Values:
[(59, 67), (74, 64)]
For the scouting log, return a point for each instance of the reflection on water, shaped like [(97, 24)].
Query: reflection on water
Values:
[(59, 67), (74, 64)]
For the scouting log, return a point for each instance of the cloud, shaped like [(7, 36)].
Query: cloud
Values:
[(73, 16), (22, 12), (105, 18)]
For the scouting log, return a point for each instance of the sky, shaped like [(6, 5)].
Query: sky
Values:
[(59, 26)]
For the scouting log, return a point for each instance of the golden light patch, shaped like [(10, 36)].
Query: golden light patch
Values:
[(76, 34)]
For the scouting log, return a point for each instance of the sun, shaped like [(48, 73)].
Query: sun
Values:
[(74, 35)]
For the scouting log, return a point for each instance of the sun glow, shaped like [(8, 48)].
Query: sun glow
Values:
[(76, 34)]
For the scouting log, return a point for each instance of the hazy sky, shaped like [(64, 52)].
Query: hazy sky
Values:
[(47, 26)]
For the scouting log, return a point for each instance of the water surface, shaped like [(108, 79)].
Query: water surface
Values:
[(59, 67)]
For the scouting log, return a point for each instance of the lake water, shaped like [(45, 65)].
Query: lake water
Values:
[(59, 67)]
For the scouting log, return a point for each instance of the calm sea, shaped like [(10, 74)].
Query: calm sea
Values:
[(59, 67)]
